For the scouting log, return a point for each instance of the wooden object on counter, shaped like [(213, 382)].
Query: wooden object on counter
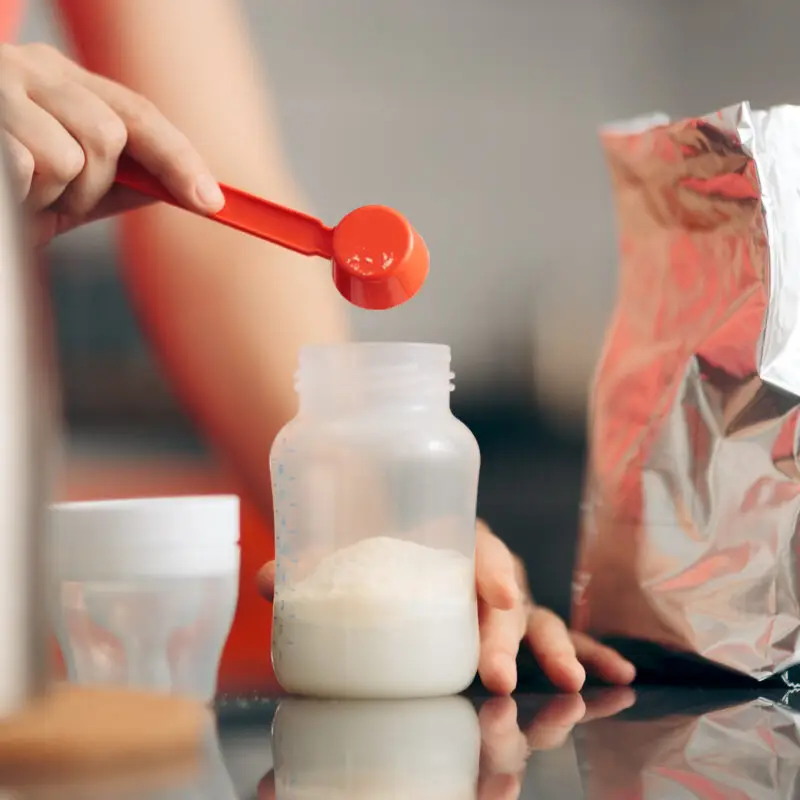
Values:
[(78, 731)]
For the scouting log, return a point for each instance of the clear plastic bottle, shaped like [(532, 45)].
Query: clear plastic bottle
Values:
[(144, 590), (375, 490)]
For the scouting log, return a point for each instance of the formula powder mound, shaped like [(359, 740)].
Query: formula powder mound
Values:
[(381, 618), (384, 568)]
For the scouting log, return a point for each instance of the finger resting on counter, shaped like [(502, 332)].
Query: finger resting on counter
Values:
[(501, 632), (551, 644), (603, 662)]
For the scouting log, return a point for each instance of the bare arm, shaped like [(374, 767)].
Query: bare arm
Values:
[(226, 313)]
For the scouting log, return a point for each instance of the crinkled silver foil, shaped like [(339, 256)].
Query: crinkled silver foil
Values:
[(744, 752), (690, 524)]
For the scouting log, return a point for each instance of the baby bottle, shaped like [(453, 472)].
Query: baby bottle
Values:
[(375, 489)]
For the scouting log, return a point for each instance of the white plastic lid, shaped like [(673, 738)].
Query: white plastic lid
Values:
[(145, 537)]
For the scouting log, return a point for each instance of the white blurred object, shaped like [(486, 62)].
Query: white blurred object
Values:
[(26, 425), (145, 590)]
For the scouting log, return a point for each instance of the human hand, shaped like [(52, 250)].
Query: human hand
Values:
[(65, 129), (506, 746), (508, 616)]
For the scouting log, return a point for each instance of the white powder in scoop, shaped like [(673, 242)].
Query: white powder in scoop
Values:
[(382, 618)]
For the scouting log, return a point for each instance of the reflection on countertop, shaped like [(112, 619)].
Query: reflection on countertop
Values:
[(609, 744), (748, 749), (182, 776)]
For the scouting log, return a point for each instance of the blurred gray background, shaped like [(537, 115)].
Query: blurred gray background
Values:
[(491, 108)]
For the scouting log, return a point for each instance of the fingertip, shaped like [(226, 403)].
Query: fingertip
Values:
[(208, 194), (567, 674), (499, 675), (624, 673)]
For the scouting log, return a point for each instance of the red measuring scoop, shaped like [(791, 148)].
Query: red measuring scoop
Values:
[(379, 260)]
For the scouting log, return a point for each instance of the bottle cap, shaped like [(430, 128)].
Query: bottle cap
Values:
[(145, 537)]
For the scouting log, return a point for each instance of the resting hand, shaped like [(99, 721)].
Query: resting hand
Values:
[(508, 616)]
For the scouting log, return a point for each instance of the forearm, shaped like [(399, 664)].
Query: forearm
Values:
[(226, 313), (228, 341)]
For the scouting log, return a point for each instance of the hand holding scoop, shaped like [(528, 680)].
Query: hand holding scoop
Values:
[(379, 261)]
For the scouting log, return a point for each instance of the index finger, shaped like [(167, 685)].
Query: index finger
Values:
[(159, 146), (551, 643)]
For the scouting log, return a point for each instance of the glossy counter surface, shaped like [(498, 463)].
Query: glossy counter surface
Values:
[(609, 744), (653, 744)]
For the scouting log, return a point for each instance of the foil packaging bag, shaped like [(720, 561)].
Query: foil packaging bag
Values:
[(689, 531)]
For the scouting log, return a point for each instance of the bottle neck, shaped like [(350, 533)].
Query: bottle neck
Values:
[(363, 378)]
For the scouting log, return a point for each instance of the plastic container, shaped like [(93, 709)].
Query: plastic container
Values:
[(375, 489), (361, 750), (145, 590)]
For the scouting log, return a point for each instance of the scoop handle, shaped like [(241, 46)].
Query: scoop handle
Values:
[(245, 212)]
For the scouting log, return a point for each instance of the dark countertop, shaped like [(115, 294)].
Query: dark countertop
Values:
[(609, 744)]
